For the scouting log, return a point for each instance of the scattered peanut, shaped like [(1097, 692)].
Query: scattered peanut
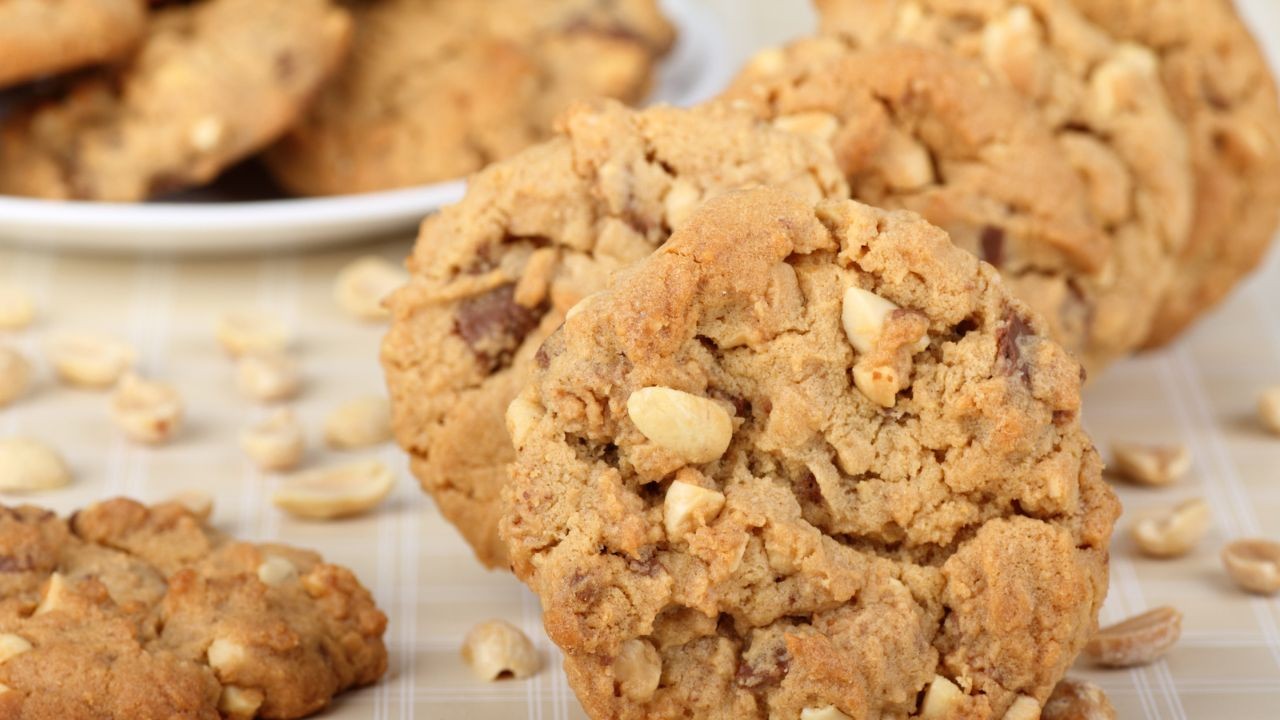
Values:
[(940, 699), (1269, 409), (1153, 465), (826, 712), (237, 703), (275, 570), (1078, 700), (198, 502), (15, 375), (241, 333), (28, 465), (1174, 531), (276, 443), (88, 360), (17, 310), (693, 427), (637, 669), (688, 507), (496, 649), (359, 423), (147, 412), (330, 493), (362, 285), (12, 646), (1024, 708), (268, 377), (1254, 565), (1139, 640)]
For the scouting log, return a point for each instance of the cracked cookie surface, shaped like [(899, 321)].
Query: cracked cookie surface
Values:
[(493, 275), (436, 90), (1106, 105), (1221, 87), (806, 458), (125, 611), (174, 116), (40, 37)]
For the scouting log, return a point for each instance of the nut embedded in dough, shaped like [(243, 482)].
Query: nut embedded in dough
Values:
[(688, 507), (11, 646), (638, 669), (695, 428), (275, 570), (940, 699)]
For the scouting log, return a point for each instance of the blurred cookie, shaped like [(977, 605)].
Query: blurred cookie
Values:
[(1105, 102), (128, 611), (495, 274), (39, 38), (214, 82), (808, 462), (1221, 87), (437, 89)]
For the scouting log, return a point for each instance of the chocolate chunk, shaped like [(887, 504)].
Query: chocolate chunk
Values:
[(768, 671), (992, 239), (1009, 347), (286, 66), (11, 563), (494, 324)]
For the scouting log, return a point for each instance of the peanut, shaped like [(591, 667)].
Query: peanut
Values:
[(1139, 640), (695, 428)]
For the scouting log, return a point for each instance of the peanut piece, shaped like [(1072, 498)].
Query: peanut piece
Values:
[(904, 162), (681, 200), (1254, 565), (225, 656), (1172, 532), (1139, 640), (89, 361), (55, 594), (28, 465), (1024, 708), (695, 428), (521, 415), (688, 507), (330, 493), (534, 282), (864, 315), (1078, 700), (241, 333), (940, 699), (637, 669), (361, 287), (237, 703), (12, 646), (276, 443), (886, 337), (1152, 465), (275, 570), (1269, 409), (15, 375), (496, 649), (826, 712), (268, 377), (17, 310), (820, 126), (198, 502), (359, 423), (147, 412)]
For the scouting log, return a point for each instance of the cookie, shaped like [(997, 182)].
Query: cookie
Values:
[(1219, 84), (39, 38), (493, 275), (1105, 102), (807, 462), (128, 611), (438, 89), (214, 82)]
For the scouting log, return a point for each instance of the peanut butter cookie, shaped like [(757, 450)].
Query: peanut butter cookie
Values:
[(39, 37), (808, 463)]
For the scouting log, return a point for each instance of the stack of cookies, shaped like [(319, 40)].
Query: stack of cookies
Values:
[(135, 102), (775, 402)]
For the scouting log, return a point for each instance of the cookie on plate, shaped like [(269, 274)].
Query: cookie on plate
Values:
[(437, 89), (1105, 102), (808, 462), (128, 611), (214, 82), (494, 274), (39, 38), (1220, 86)]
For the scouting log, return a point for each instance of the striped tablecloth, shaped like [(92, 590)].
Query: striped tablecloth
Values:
[(1201, 393)]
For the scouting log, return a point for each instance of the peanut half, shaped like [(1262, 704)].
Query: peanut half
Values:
[(496, 649), (89, 361), (359, 423), (26, 465), (363, 284), (15, 375), (241, 332), (1151, 465), (268, 376), (1174, 531), (1078, 700), (276, 443), (696, 428), (330, 493), (1139, 640), (17, 309), (147, 412), (1254, 564)]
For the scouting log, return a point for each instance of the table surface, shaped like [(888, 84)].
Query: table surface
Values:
[(1200, 392)]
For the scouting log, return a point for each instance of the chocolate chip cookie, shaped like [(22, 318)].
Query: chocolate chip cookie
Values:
[(214, 82), (1220, 86), (808, 462), (494, 275), (39, 37), (1105, 102), (439, 89), (126, 611)]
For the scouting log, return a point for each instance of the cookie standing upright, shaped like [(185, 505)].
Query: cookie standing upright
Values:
[(129, 611), (1105, 102), (494, 274), (39, 38), (437, 89), (214, 82), (808, 462), (1220, 85)]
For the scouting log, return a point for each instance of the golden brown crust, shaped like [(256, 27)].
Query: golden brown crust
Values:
[(40, 37)]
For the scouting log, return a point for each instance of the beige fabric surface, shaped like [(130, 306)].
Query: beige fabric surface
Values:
[(1200, 392)]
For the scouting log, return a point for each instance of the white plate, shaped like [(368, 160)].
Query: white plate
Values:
[(205, 222)]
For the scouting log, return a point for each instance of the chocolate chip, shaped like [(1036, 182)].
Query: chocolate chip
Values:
[(767, 671), (493, 325), (10, 564), (992, 239), (1009, 347), (286, 66)]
